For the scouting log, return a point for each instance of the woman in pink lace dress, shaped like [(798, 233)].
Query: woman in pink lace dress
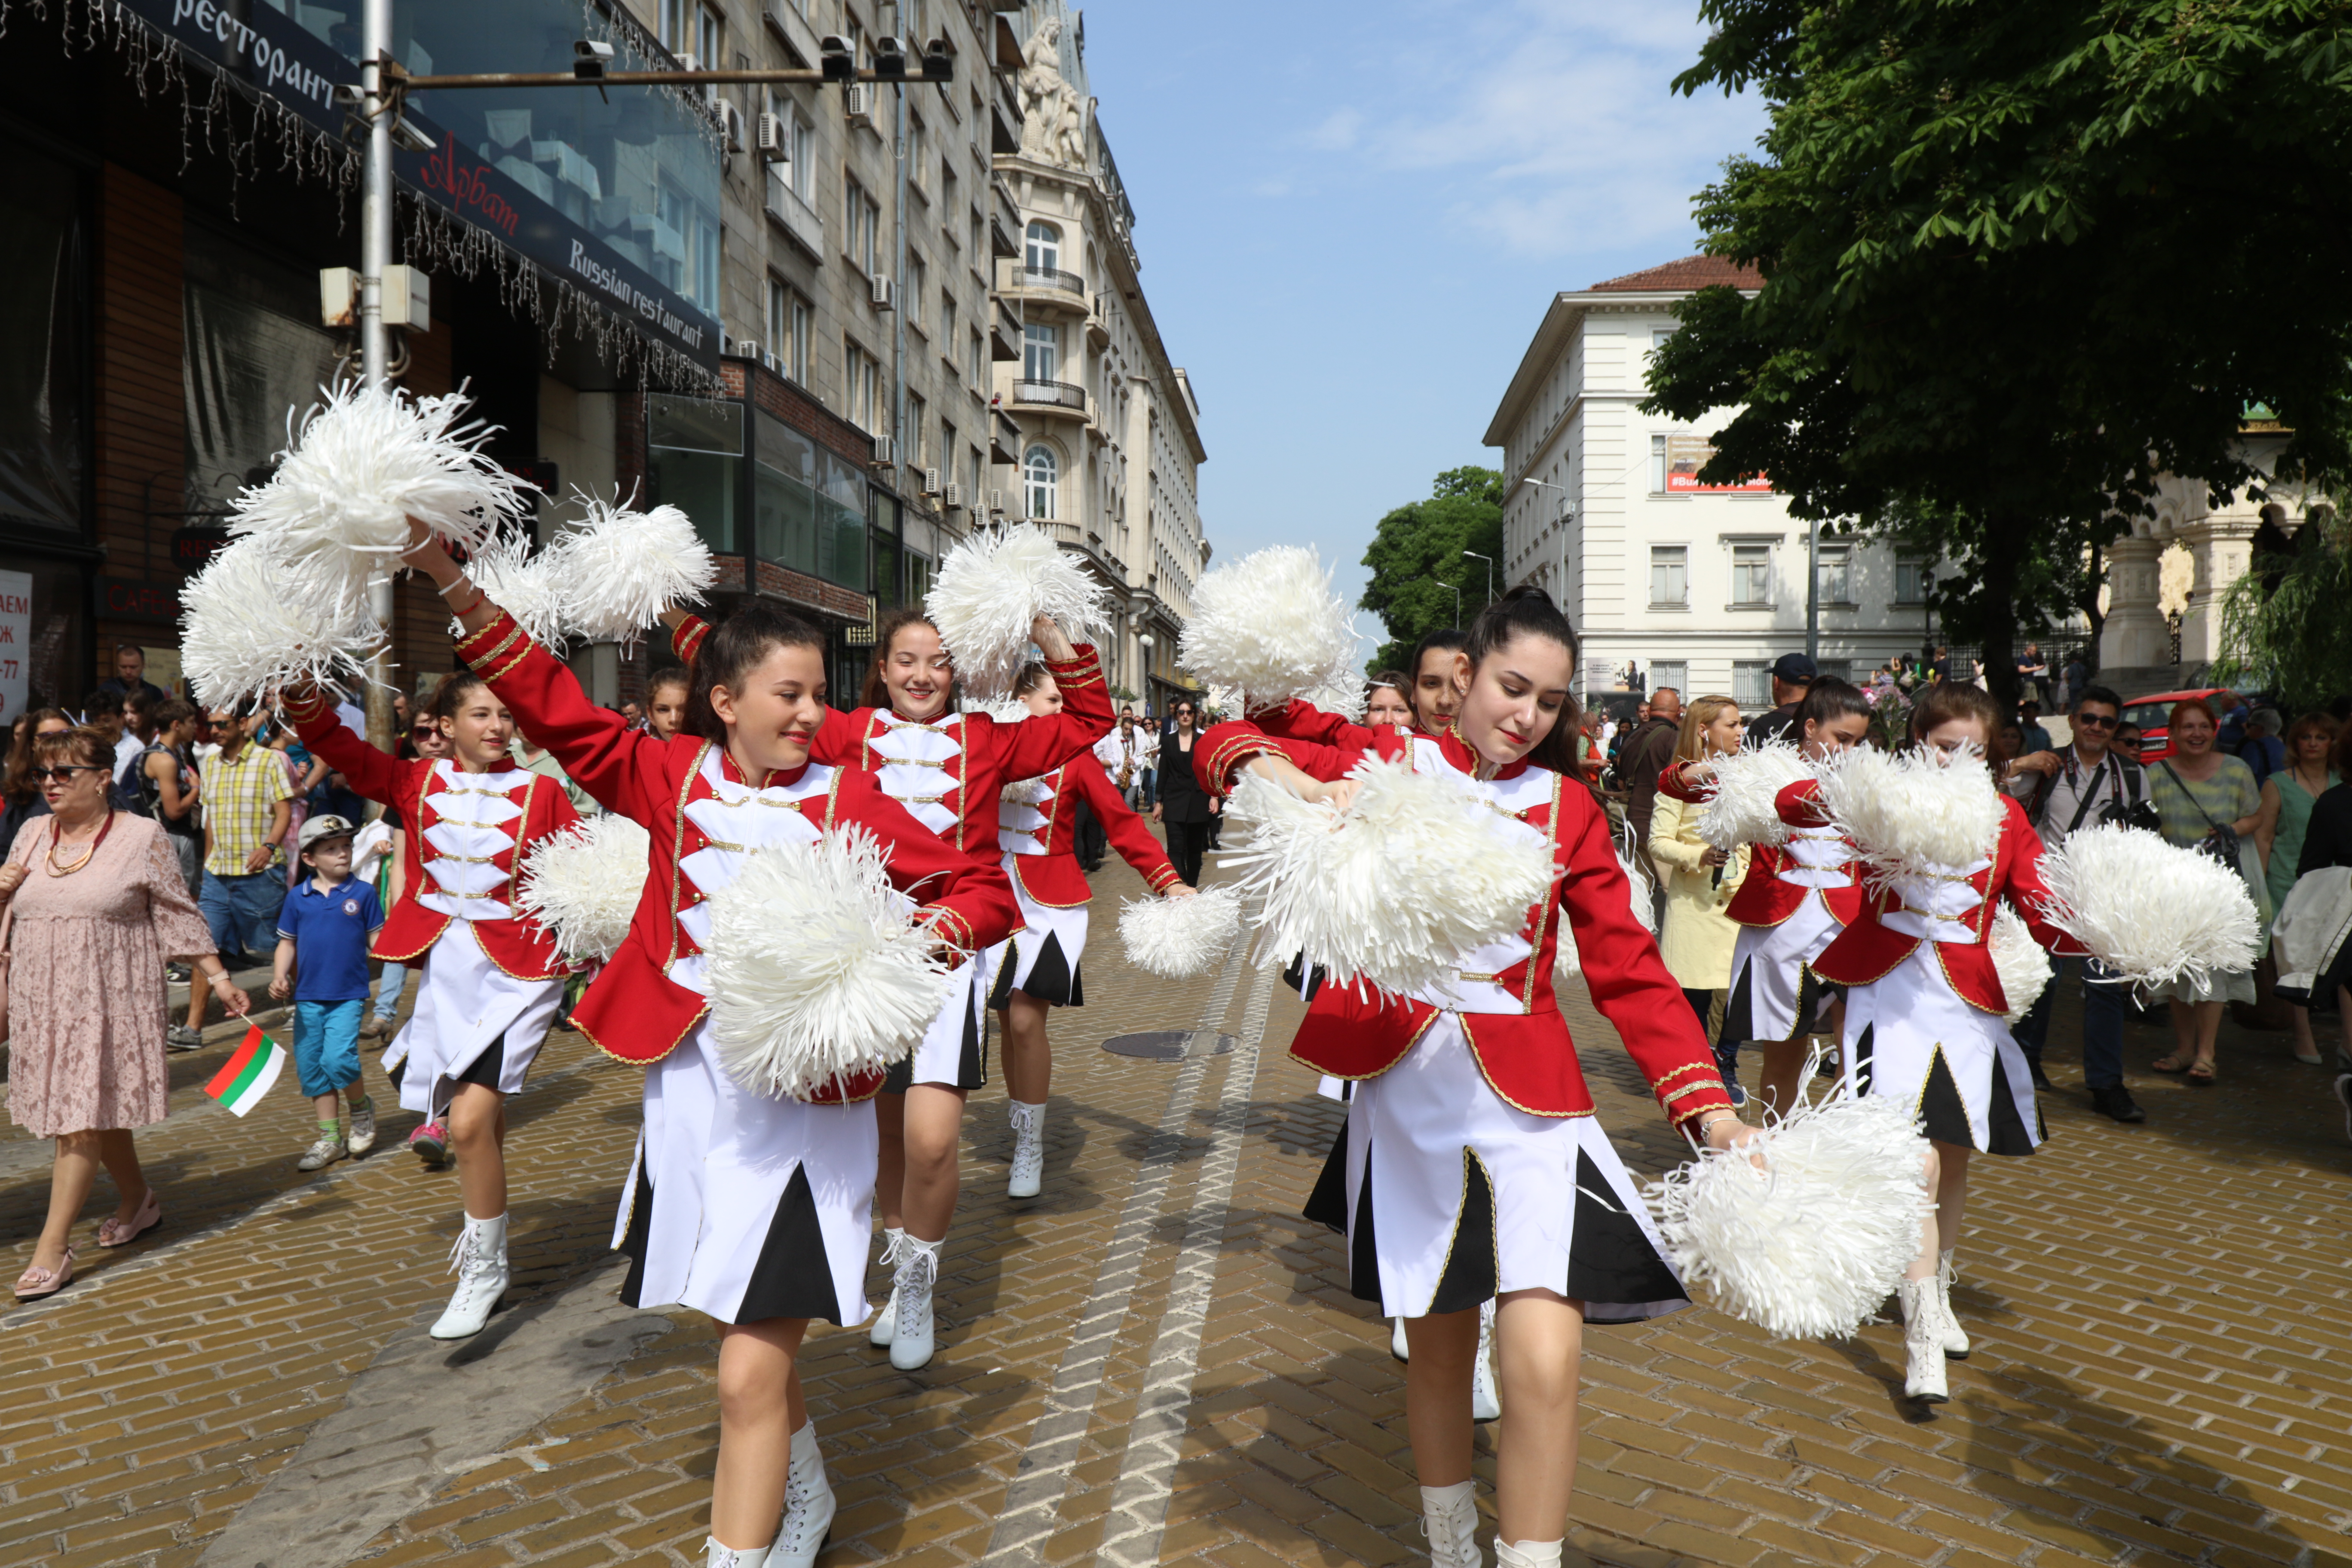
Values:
[(95, 904)]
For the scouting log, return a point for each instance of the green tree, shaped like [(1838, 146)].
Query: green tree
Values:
[(2011, 263), (1417, 560), (2286, 625)]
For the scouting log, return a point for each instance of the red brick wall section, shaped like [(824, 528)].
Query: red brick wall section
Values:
[(430, 372), (796, 408), (139, 448), (798, 588)]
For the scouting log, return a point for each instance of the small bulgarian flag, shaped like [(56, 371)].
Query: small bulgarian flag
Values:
[(249, 1072)]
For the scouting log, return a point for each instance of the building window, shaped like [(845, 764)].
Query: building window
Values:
[(1751, 576), (1041, 351), (1657, 465), (1752, 685), (1658, 336), (861, 377), (1834, 668), (788, 330), (1670, 576), (1039, 473), (1912, 580), (918, 150), (977, 372), (919, 288), (1045, 249), (947, 323), (919, 416), (1834, 574), (1673, 672), (861, 218)]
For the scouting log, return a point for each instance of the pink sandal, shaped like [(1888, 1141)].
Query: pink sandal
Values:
[(36, 1281), (118, 1233)]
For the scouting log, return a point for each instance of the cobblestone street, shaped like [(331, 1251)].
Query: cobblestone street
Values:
[(1159, 1362)]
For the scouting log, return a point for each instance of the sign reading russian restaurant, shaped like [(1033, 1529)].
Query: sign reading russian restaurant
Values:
[(1687, 454), (270, 50)]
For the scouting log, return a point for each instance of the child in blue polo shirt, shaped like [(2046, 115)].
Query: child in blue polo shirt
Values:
[(325, 923)]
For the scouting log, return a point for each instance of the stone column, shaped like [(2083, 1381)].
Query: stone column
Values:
[(2133, 634), (2221, 548)]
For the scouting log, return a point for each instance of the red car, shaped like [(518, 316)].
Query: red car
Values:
[(2154, 717)]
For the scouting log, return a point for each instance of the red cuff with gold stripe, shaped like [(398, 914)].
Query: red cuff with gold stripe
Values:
[(496, 648), (1083, 669), (1231, 753), (686, 640), (952, 927), (1163, 878)]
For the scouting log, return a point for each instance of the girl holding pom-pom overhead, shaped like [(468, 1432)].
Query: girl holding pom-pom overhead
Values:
[(947, 769), (493, 976), (1037, 969), (1924, 1006), (749, 1206), (1471, 1166)]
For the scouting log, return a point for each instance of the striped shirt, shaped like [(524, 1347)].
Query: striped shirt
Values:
[(239, 797)]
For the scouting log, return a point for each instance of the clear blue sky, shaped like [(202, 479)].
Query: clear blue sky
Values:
[(1352, 217)]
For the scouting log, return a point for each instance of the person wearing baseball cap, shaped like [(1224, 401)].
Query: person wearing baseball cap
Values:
[(1793, 675), (323, 929)]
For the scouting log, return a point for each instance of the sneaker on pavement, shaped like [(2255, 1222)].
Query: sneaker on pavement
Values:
[(2116, 1102), (430, 1143), (374, 1027), (362, 1134), (322, 1153), (178, 973), (180, 1038)]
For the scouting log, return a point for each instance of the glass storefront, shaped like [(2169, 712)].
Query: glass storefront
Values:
[(808, 506), (43, 352), (250, 357), (694, 446)]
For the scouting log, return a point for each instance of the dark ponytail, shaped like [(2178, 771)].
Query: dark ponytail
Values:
[(734, 648), (1527, 611), (1829, 699)]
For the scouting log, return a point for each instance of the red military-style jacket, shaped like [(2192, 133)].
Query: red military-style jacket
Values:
[(1300, 720), (1037, 829), (1508, 1011), (471, 868), (948, 770), (1781, 877), (636, 1010), (1953, 911)]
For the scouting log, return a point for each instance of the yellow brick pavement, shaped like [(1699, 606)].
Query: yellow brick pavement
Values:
[(2163, 1372)]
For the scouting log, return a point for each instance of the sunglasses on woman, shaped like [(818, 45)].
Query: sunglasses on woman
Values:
[(63, 772)]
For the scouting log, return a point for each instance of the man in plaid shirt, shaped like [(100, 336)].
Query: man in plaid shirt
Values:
[(247, 808)]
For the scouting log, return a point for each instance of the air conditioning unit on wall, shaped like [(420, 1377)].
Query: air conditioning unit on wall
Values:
[(886, 451), (733, 118), (884, 298), (931, 481), (858, 104), (952, 495), (768, 136)]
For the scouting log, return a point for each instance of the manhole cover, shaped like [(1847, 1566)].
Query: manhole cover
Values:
[(1170, 1045)]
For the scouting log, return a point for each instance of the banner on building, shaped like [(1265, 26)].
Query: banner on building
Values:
[(270, 51), (1687, 454), (15, 642)]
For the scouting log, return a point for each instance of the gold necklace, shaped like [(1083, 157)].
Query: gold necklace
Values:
[(57, 831)]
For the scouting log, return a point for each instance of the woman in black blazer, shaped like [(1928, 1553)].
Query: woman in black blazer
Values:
[(1184, 806)]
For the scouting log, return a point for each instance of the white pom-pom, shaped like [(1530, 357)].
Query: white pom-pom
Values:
[(816, 975), (1811, 1243), (620, 571), (1348, 701), (991, 587), (1180, 939), (253, 621), (2019, 961), (1910, 815), (2149, 910), (365, 461), (524, 585), (1745, 806), (1003, 709), (1417, 872), (583, 885), (1269, 626)]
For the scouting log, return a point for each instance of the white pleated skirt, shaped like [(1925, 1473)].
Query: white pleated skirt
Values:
[(1042, 957), (474, 1023), (745, 1207), (954, 1050), (1449, 1196), (1773, 986), (1910, 1037)]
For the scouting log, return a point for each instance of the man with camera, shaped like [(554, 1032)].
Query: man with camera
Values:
[(2084, 784)]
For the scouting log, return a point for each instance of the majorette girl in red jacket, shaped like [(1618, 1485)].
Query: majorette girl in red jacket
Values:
[(1471, 1135), (1038, 968), (946, 768), (493, 979), (1796, 899), (1924, 1012), (755, 1210)]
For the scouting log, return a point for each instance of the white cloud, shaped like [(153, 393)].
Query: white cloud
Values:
[(1337, 132)]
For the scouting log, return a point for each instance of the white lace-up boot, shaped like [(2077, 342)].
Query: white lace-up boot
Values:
[(1398, 1346), (480, 1261), (886, 1321), (918, 1271), (808, 1506), (1028, 1150), (717, 1556), (1956, 1338), (1923, 1342), (1449, 1518), (1527, 1554), (1485, 1405)]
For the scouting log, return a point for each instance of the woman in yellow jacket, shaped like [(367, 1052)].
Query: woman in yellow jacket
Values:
[(1697, 938)]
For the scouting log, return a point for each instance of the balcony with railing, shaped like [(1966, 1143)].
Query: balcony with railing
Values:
[(1052, 290), (788, 211), (1057, 398)]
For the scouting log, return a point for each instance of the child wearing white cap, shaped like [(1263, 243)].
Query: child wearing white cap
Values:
[(325, 923)]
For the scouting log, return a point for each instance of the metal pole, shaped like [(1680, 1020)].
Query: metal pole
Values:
[(1813, 591), (375, 255)]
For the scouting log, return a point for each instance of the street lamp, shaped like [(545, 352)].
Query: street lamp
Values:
[(1490, 571), (1457, 597)]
